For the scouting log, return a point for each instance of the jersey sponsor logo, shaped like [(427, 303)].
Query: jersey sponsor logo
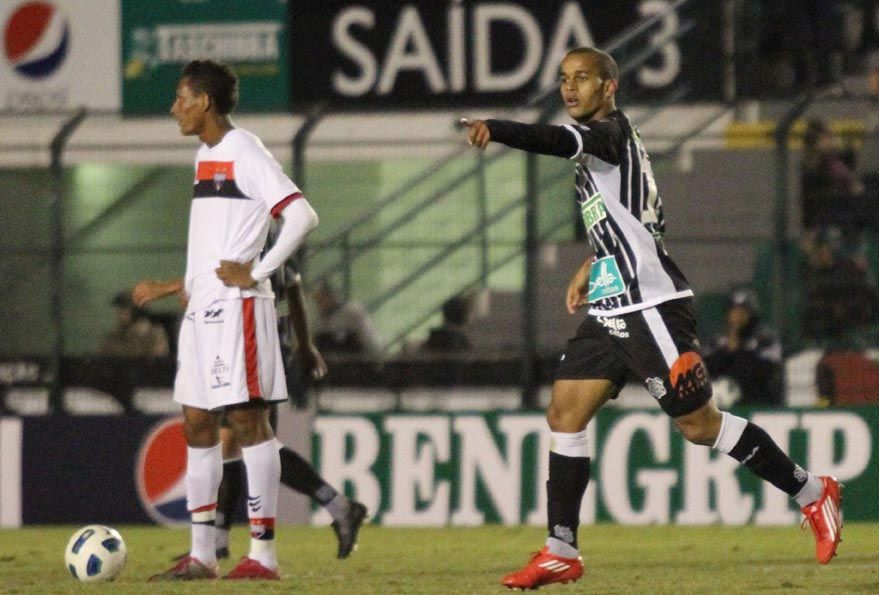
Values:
[(160, 473), (35, 39), (605, 279), (688, 376), (615, 326), (656, 387), (593, 210)]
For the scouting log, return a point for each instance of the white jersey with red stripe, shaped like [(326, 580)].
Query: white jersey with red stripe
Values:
[(238, 187)]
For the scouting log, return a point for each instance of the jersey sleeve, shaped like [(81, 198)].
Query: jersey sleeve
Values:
[(601, 138), (264, 180)]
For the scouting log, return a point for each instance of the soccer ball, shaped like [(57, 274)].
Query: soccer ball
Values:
[(95, 553)]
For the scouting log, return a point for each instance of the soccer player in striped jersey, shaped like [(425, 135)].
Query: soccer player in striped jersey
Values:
[(639, 320)]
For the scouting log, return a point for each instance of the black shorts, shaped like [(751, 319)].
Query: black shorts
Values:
[(658, 346)]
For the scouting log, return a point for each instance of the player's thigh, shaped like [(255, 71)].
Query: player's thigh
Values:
[(575, 402), (589, 373), (661, 348)]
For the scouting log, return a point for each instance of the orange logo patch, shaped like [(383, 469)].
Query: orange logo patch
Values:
[(688, 375)]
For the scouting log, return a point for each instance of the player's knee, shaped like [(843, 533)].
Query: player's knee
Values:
[(562, 419), (701, 426), (249, 425), (695, 432)]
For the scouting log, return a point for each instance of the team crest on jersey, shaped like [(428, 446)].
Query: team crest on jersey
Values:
[(219, 178), (656, 387)]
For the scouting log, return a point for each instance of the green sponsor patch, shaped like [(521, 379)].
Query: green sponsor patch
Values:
[(593, 210), (605, 279)]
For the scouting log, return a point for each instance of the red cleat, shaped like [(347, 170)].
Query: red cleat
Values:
[(544, 569), (250, 569), (187, 569), (824, 517)]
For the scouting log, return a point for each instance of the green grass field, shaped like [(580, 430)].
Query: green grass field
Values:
[(618, 560)]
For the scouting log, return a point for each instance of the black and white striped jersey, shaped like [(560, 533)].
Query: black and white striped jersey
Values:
[(620, 205)]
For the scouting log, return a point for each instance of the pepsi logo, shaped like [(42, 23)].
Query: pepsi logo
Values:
[(161, 471), (36, 39)]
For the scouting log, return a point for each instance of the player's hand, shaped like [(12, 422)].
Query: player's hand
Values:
[(148, 290), (312, 362), (235, 274), (578, 289), (478, 134)]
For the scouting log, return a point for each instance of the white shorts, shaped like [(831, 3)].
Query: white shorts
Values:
[(228, 354)]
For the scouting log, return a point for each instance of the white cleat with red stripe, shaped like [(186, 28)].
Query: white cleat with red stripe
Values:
[(543, 569), (825, 517)]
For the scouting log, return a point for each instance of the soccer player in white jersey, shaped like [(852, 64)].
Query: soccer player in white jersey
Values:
[(229, 359), (640, 320)]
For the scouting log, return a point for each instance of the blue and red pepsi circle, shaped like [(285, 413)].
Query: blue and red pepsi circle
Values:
[(161, 471), (36, 39)]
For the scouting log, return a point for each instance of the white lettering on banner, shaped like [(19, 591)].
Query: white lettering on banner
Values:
[(532, 41), (410, 33), (479, 454), (231, 42), (615, 470), (857, 449), (10, 472), (410, 49), (337, 468), (775, 505), (423, 479), (670, 62), (354, 51), (413, 465), (707, 471)]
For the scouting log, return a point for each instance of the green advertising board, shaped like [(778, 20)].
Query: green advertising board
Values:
[(468, 469), (159, 37)]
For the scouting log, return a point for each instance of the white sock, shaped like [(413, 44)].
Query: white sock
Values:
[(263, 479), (811, 492), (204, 470), (570, 444), (560, 548)]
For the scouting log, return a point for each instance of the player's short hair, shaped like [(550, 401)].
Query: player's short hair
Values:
[(607, 66), (216, 80)]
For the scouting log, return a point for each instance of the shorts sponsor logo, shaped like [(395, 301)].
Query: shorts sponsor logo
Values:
[(656, 387), (219, 373), (605, 279), (688, 376), (160, 473), (615, 326)]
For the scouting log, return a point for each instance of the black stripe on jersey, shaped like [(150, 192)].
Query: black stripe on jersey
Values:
[(625, 173), (637, 186), (210, 189)]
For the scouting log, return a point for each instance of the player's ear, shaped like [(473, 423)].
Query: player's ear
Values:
[(610, 88)]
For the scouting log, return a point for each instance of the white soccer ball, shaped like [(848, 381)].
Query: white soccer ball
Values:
[(95, 553)]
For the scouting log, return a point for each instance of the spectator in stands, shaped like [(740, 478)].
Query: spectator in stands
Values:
[(829, 189), (747, 353), (451, 335), (135, 335), (343, 327), (840, 297)]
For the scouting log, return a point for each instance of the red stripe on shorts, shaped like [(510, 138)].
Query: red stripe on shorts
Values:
[(251, 366)]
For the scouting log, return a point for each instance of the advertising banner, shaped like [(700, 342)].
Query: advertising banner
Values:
[(413, 54), (161, 36), (471, 469), (439, 469), (59, 55)]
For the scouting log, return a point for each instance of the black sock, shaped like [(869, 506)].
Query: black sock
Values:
[(757, 451), (568, 477), (229, 493), (298, 474)]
